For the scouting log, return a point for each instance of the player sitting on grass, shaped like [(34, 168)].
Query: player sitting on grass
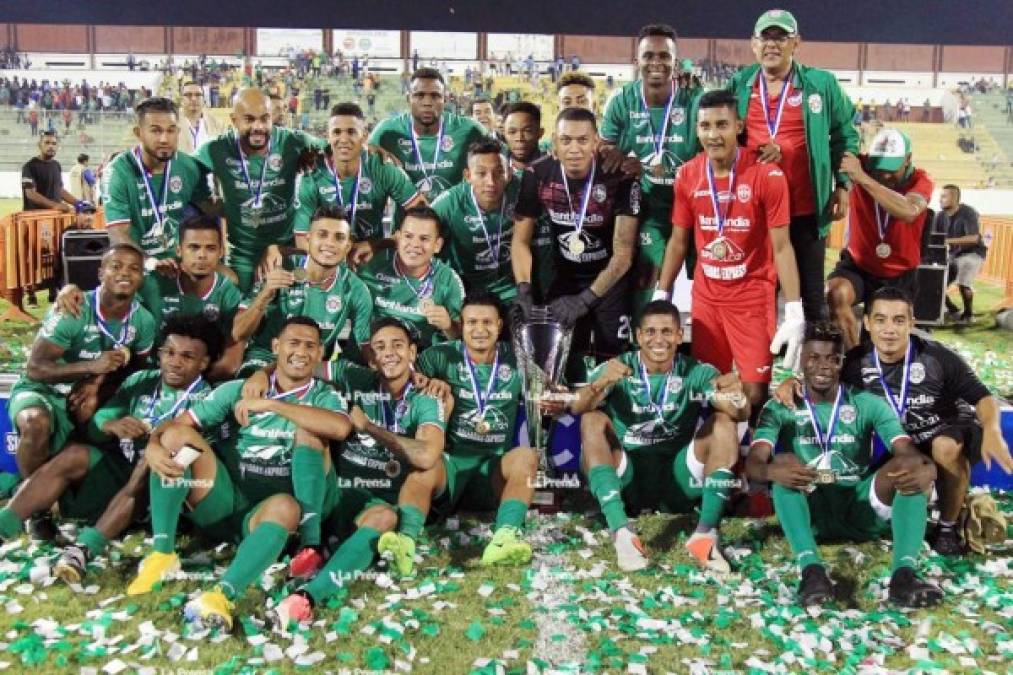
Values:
[(825, 483)]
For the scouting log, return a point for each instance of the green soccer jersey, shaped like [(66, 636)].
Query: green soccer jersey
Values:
[(163, 296), (258, 456), (448, 362), (144, 396), (252, 228), (633, 129), (477, 243), (365, 197), (400, 296), (849, 452), (663, 417), (433, 170), (345, 300), (83, 339), (364, 462), (128, 201)]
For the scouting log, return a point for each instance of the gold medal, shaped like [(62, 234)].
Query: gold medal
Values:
[(658, 170), (883, 250), (300, 274), (392, 468), (483, 427), (576, 246), (425, 304), (719, 249), (826, 476), (125, 350), (147, 425)]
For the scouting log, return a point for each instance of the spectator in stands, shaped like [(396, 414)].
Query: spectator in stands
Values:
[(881, 251), (966, 249), (82, 180), (800, 118), (927, 110), (196, 125)]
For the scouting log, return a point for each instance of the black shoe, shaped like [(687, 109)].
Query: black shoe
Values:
[(42, 527), (907, 590), (947, 540), (816, 587)]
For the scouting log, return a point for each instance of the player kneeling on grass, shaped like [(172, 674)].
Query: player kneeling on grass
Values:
[(824, 481), (271, 479), (479, 470), (645, 448), (82, 477)]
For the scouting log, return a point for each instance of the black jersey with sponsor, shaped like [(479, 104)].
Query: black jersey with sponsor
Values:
[(943, 389), (612, 194)]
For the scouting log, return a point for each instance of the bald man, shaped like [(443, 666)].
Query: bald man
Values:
[(256, 164)]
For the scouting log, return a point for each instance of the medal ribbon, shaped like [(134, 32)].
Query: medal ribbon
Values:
[(657, 408), (821, 440), (658, 141), (485, 232), (425, 288), (154, 421), (899, 406), (156, 206), (773, 126), (273, 392), (103, 326), (263, 169), (579, 223), (481, 399), (195, 133), (400, 407), (882, 221), (355, 188), (418, 152), (720, 215)]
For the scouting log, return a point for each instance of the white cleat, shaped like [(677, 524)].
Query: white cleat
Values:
[(630, 553)]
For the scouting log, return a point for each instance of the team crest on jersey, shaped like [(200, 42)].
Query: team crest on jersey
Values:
[(848, 414), (212, 312), (447, 143), (678, 115), (743, 192), (333, 303), (815, 104), (795, 100), (274, 161), (675, 385), (365, 186), (917, 373), (599, 193), (175, 184), (505, 372)]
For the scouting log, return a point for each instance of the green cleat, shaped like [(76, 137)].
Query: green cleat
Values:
[(402, 549), (507, 548)]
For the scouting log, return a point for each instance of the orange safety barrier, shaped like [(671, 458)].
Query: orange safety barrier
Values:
[(30, 244), (997, 231)]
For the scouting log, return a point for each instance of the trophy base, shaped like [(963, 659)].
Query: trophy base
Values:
[(545, 501)]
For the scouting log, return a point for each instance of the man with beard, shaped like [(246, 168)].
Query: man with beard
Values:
[(646, 449), (478, 218), (198, 125), (111, 331), (357, 180), (410, 284), (655, 119), (256, 165), (151, 186), (318, 285), (428, 142)]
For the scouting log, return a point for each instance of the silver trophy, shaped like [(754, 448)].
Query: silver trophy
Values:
[(541, 345)]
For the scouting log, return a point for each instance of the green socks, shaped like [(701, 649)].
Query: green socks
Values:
[(166, 505), (511, 513), (792, 509), (259, 549), (93, 540), (410, 521), (908, 522), (606, 488), (717, 488), (310, 485), (354, 555), (10, 525)]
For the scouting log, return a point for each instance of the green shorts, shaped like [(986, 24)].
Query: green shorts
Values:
[(346, 507), (661, 481), (108, 472), (256, 358), (852, 513), (245, 271), (27, 394), (469, 483), (653, 240)]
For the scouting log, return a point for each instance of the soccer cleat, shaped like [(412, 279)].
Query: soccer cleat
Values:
[(507, 548), (72, 564), (210, 609), (816, 588), (43, 528), (630, 553), (294, 608), (402, 548), (703, 546), (305, 564), (947, 540), (153, 569), (907, 590)]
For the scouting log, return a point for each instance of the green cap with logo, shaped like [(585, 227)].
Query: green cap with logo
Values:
[(888, 150), (776, 18)]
